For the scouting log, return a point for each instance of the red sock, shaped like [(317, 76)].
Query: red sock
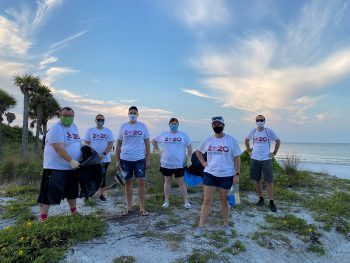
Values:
[(43, 217), (73, 210)]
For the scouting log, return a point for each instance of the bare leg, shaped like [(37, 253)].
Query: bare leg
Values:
[(183, 188), (102, 190), (259, 188), (167, 188), (224, 205), (209, 192), (128, 193), (44, 209), (270, 190), (141, 192)]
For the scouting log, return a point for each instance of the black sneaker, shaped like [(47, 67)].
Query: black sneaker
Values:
[(260, 202), (272, 207), (102, 198)]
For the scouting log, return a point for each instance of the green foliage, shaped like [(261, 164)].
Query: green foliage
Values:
[(124, 259), (333, 210), (13, 135), (47, 242), (285, 194), (245, 160), (202, 256)]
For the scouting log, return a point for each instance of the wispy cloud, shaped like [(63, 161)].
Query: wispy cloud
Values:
[(64, 42), (196, 93), (54, 72), (46, 61)]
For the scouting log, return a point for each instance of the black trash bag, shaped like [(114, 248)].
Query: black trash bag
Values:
[(90, 172), (196, 168)]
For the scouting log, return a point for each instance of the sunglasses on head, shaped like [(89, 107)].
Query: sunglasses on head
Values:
[(260, 120)]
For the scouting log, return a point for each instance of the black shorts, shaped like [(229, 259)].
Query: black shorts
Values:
[(178, 172), (221, 182), (104, 172), (261, 168), (57, 185)]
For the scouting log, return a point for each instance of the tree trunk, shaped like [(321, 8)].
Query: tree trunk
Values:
[(24, 148), (44, 127), (0, 137), (38, 127)]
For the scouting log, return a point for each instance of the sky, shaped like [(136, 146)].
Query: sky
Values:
[(287, 60)]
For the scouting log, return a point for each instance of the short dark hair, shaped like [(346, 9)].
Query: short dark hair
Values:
[(99, 115), (260, 116), (133, 108), (67, 108), (174, 119)]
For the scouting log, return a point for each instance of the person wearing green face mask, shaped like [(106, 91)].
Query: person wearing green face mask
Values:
[(61, 155)]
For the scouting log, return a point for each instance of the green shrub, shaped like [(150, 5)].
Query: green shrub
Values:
[(47, 242)]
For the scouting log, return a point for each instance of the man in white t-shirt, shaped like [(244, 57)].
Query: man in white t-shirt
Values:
[(61, 155), (173, 158), (220, 173), (261, 158), (101, 140), (133, 157)]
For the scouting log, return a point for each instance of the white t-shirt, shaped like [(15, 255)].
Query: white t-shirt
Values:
[(133, 141), (59, 133), (99, 140), (220, 154), (261, 143), (174, 149)]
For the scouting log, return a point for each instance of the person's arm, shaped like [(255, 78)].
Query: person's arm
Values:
[(59, 148), (201, 159), (277, 146), (189, 155), (237, 165), (247, 146), (117, 153), (108, 149), (155, 146), (148, 157)]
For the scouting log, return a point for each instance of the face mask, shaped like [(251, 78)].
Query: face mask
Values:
[(174, 127), (66, 121), (100, 123), (217, 129), (260, 124), (133, 117)]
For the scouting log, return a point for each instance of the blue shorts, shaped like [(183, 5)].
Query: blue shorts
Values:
[(137, 168), (221, 182)]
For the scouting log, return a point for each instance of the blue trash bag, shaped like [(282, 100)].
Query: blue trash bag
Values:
[(192, 179)]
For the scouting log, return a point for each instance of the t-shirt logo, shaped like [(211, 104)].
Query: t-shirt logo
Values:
[(172, 139), (132, 133), (217, 149), (100, 136), (72, 136), (260, 139)]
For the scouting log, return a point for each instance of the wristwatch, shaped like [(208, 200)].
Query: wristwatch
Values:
[(236, 174), (104, 153)]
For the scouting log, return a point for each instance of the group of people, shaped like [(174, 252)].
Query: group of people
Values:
[(221, 167)]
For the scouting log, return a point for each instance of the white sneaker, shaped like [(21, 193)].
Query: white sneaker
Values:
[(187, 205), (198, 232), (165, 205), (228, 231)]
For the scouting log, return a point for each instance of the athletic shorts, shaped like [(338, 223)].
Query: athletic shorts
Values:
[(261, 168), (221, 182), (137, 168), (104, 172), (57, 185), (178, 172)]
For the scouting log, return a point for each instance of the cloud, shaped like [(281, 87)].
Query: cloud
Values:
[(45, 7), (8, 68), (200, 13), (196, 93), (65, 41), (269, 73), (46, 61), (54, 72)]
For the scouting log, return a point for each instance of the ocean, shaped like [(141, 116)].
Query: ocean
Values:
[(330, 158)]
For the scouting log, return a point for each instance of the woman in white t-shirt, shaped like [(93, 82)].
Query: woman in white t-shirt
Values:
[(173, 158), (221, 171)]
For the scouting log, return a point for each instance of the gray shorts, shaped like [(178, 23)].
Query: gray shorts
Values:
[(259, 168)]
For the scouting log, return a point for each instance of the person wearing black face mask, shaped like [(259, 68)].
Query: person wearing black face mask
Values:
[(101, 140), (220, 173)]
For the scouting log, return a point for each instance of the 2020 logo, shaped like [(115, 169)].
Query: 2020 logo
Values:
[(218, 149)]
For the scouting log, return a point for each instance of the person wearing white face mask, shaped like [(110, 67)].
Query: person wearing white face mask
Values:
[(261, 158), (133, 157), (101, 140), (174, 158)]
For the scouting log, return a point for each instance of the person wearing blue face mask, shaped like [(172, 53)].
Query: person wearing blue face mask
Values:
[(101, 140), (261, 158), (174, 158)]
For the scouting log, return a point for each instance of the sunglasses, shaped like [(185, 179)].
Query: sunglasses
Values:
[(260, 120), (100, 119)]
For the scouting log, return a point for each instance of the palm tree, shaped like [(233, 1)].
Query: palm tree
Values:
[(6, 102), (52, 109), (27, 84), (37, 102)]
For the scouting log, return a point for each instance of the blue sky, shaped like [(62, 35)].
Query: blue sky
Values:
[(288, 60)]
